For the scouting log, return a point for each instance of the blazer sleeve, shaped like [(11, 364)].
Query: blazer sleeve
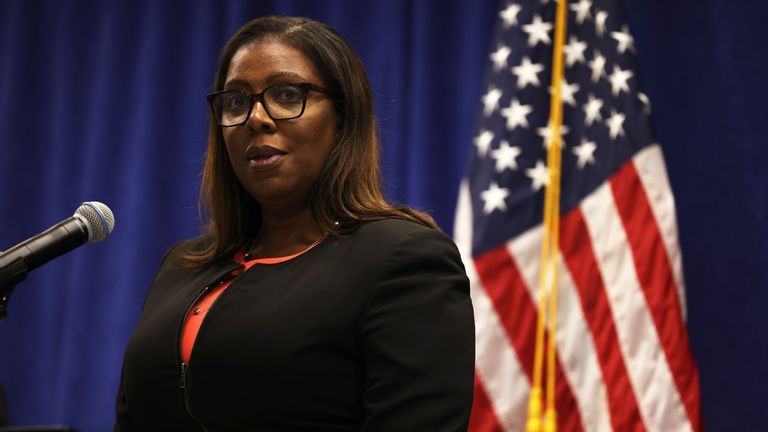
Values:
[(417, 338), (123, 421)]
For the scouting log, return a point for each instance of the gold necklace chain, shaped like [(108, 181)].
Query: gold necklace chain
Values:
[(247, 255)]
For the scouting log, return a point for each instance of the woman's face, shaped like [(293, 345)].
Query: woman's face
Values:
[(278, 161)]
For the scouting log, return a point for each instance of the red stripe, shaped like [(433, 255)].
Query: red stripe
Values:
[(483, 419), (576, 248), (658, 284), (515, 308)]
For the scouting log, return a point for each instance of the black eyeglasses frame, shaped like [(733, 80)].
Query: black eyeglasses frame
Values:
[(254, 97)]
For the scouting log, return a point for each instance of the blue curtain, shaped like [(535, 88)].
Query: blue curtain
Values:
[(104, 100)]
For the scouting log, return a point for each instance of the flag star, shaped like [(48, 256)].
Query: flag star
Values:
[(616, 124), (499, 57), (546, 134), (491, 101), (516, 114), (619, 79), (483, 142), (592, 110), (582, 10), (585, 153), (646, 102), (538, 31), (505, 156), (624, 39), (539, 175), (600, 18), (567, 91), (493, 198), (574, 51), (509, 15), (597, 65), (527, 73)]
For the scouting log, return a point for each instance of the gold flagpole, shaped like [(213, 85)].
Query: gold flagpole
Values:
[(549, 247)]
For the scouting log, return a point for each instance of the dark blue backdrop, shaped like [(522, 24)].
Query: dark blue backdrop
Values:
[(104, 100)]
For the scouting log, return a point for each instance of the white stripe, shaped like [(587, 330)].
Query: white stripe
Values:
[(575, 345), (659, 402), (502, 376), (650, 168)]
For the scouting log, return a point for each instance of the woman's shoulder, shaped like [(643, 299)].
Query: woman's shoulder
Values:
[(194, 244), (174, 255), (394, 226), (390, 233)]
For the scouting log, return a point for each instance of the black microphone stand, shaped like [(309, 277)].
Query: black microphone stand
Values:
[(19, 260), (11, 273)]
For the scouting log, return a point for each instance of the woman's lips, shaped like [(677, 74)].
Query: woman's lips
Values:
[(263, 156), (261, 162)]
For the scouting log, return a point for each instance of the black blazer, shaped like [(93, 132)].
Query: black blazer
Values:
[(371, 332)]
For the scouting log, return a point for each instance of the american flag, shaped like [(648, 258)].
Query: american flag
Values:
[(623, 358)]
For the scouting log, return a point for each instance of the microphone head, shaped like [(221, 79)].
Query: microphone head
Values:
[(98, 218)]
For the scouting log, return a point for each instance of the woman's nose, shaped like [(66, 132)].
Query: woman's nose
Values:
[(259, 119)]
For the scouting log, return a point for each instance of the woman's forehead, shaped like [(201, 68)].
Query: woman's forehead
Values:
[(265, 61)]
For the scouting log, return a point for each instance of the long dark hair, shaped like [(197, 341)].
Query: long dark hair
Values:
[(348, 189)]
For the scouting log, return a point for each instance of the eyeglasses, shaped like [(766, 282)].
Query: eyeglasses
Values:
[(283, 101)]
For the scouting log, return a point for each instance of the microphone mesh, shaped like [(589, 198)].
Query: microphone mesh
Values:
[(99, 219)]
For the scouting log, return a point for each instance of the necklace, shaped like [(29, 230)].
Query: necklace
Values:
[(247, 255)]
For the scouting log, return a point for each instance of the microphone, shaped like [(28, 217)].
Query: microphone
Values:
[(92, 222)]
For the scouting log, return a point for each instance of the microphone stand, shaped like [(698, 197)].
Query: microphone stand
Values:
[(11, 274)]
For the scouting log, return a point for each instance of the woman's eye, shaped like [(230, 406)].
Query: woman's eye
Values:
[(236, 101), (287, 94)]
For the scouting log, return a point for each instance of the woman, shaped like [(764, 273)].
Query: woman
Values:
[(310, 303)]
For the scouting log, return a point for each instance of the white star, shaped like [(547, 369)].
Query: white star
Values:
[(483, 142), (574, 51), (527, 73), (600, 18), (493, 198), (516, 114), (491, 101), (538, 31), (619, 79), (499, 57), (546, 134), (598, 66), (506, 157), (585, 152), (624, 38), (567, 91), (615, 124), (509, 15), (646, 102), (592, 110), (582, 10), (539, 175)]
